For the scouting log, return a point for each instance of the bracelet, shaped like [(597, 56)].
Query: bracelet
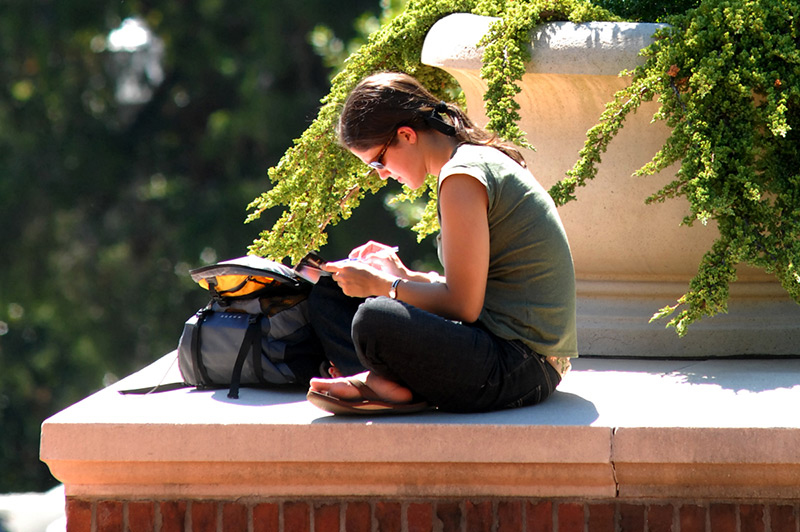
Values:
[(393, 289)]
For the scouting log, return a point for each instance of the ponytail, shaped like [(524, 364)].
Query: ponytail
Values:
[(468, 133)]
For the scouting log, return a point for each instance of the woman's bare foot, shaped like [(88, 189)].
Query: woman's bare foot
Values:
[(341, 388)]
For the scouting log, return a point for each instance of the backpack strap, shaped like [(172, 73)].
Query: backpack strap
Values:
[(258, 368), (158, 388), (251, 343)]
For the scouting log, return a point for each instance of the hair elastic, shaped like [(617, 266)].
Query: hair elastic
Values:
[(435, 120)]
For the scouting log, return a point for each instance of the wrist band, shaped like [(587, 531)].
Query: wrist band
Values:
[(393, 289)]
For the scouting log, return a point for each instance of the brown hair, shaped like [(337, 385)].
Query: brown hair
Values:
[(383, 102)]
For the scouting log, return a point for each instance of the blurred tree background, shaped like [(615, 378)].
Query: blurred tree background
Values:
[(133, 134)]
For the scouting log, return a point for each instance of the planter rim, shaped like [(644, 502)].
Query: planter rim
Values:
[(589, 48)]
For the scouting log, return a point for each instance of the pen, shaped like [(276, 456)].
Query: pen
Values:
[(385, 251)]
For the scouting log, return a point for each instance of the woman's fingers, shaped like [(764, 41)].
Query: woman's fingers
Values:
[(371, 248)]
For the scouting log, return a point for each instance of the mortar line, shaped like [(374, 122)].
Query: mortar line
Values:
[(613, 464)]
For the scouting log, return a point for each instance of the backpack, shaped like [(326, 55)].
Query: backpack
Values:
[(254, 331)]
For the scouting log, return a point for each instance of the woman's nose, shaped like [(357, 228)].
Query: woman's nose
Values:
[(384, 174)]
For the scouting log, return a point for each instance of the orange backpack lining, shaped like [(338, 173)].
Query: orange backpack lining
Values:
[(237, 285)]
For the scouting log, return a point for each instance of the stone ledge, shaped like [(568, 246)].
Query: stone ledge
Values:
[(630, 428)]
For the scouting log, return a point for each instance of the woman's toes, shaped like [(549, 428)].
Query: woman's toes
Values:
[(340, 388)]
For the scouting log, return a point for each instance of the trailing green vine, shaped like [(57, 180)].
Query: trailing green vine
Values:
[(319, 183), (726, 75)]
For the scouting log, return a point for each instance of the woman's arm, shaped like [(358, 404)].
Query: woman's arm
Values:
[(465, 253), (463, 203)]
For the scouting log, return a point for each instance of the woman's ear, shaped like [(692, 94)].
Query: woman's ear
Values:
[(408, 133)]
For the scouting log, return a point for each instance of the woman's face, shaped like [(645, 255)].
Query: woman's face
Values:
[(400, 158)]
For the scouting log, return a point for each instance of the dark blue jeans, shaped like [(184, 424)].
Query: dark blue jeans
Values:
[(455, 366)]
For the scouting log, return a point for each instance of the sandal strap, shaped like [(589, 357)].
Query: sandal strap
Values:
[(366, 392)]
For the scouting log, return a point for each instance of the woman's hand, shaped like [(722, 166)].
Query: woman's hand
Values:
[(381, 257), (358, 278)]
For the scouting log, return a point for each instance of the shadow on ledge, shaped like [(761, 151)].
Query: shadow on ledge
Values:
[(562, 408)]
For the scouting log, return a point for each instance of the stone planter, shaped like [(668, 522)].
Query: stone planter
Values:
[(631, 259)]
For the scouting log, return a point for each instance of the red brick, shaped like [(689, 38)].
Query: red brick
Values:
[(234, 516), (141, 516), (722, 517), (266, 517), (509, 516), (296, 517), (782, 518), (601, 517), (204, 516), (631, 517), (420, 517), (751, 518), (173, 516), (326, 518), (388, 516), (79, 515), (109, 516), (692, 518), (358, 517), (571, 517), (449, 513), (480, 516), (660, 517), (540, 516)]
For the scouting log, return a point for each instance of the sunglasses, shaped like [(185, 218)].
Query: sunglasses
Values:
[(377, 164)]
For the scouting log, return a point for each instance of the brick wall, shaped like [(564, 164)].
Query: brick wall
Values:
[(385, 515)]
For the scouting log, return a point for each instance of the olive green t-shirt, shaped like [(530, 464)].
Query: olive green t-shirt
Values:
[(530, 290)]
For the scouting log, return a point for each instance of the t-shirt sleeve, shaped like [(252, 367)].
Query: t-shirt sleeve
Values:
[(455, 167)]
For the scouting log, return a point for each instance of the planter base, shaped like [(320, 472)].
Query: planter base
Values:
[(614, 320)]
